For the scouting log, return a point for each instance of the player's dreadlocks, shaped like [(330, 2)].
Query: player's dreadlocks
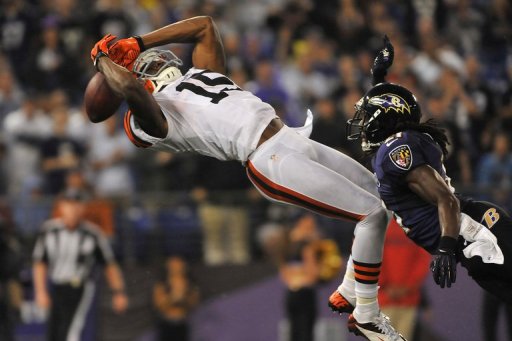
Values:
[(430, 127)]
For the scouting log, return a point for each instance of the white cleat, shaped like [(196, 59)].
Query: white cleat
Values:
[(380, 329)]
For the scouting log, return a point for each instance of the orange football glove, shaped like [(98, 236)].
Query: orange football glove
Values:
[(125, 51), (101, 48)]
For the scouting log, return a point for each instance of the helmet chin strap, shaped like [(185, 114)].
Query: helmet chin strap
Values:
[(368, 146), (165, 77)]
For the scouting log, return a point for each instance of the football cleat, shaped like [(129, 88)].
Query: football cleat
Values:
[(380, 329), (339, 304)]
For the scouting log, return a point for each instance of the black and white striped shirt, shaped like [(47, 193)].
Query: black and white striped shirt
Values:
[(71, 253)]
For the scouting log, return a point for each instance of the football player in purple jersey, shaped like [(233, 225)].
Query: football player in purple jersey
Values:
[(412, 182)]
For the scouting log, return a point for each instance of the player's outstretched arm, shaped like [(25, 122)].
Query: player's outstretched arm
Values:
[(208, 51), (383, 62), (428, 184)]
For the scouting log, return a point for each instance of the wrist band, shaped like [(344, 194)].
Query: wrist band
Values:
[(447, 244), (140, 42), (98, 56)]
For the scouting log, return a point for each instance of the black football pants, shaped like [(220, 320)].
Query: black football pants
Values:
[(494, 278)]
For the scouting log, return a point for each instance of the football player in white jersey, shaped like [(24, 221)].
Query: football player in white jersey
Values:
[(203, 111)]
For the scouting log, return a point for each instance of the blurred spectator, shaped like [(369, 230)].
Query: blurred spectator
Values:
[(495, 171), (345, 105), (322, 53), (497, 29), (460, 108), (98, 211), (404, 270), (174, 297), (78, 124), (272, 238), (75, 180), (267, 86), (457, 163), (301, 81), (482, 96), (18, 28), (504, 111), (348, 74), (232, 48), (329, 125), (65, 255), (464, 27), (351, 26), (11, 95), (3, 168), (10, 267), (24, 130), (60, 153), (110, 17), (109, 153), (492, 307), (300, 271), (52, 67), (71, 19), (223, 192), (162, 171)]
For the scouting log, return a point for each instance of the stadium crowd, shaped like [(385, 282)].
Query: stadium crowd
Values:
[(294, 54)]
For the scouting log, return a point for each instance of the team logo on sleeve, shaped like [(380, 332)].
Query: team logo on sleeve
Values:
[(391, 102), (401, 157)]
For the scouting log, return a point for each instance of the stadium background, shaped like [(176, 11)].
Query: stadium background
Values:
[(455, 55)]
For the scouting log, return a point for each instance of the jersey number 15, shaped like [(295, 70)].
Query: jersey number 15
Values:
[(215, 97)]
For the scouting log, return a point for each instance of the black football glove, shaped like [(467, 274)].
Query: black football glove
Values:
[(383, 62), (444, 265)]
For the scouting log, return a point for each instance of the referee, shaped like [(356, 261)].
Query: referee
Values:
[(65, 254)]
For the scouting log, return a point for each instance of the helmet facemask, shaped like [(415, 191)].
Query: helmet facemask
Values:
[(364, 125), (157, 68)]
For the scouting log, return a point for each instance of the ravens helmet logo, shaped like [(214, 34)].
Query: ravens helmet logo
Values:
[(390, 101)]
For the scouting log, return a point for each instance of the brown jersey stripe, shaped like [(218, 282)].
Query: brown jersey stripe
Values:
[(285, 194), (368, 278), (133, 138), (364, 281), (366, 273), (271, 192), (365, 269)]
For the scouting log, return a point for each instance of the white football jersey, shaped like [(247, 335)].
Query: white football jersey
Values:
[(208, 114)]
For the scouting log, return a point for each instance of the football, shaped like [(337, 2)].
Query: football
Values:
[(100, 101)]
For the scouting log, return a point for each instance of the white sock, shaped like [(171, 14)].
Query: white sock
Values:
[(347, 288), (367, 308)]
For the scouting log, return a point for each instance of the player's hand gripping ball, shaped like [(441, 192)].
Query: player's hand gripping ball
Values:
[(124, 51), (101, 48), (100, 100)]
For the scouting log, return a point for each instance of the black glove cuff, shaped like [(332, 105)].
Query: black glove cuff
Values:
[(378, 77), (447, 244), (140, 42), (98, 56)]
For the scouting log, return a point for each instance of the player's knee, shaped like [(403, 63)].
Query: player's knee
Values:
[(378, 216)]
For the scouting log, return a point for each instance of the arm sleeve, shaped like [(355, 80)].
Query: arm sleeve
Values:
[(104, 253), (40, 253), (402, 156)]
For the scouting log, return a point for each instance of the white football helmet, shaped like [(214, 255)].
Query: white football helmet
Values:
[(157, 68)]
